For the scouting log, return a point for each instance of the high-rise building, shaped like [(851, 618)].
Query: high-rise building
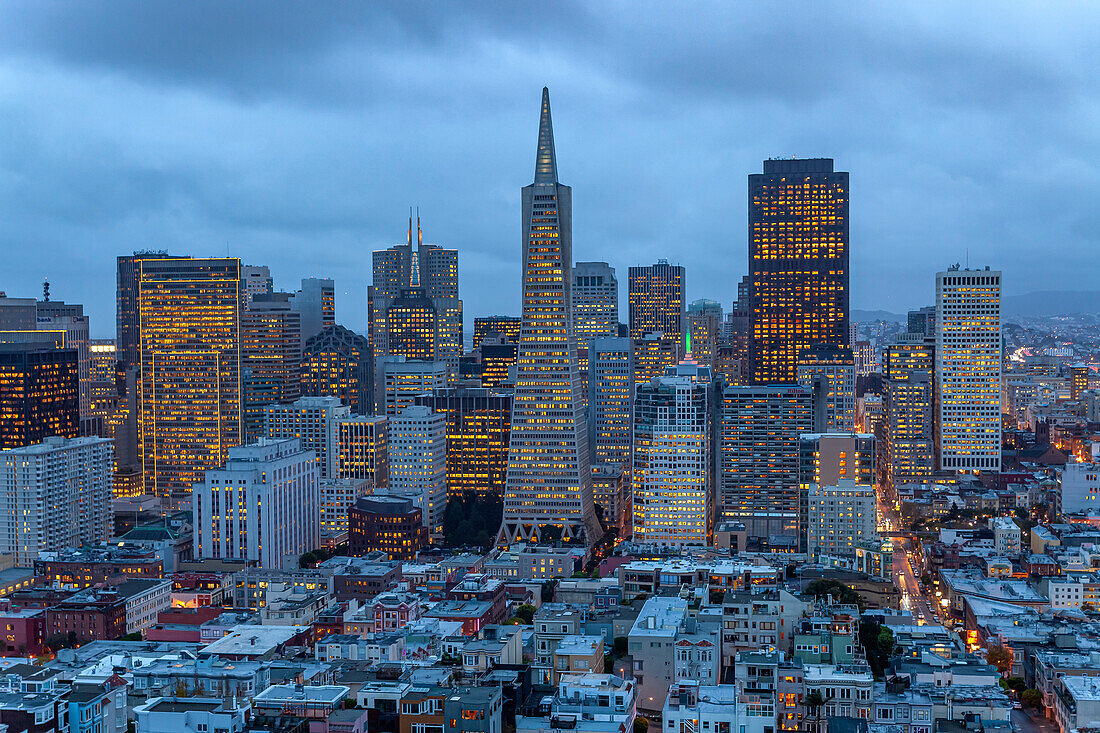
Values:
[(337, 497), (41, 392), (479, 426), (498, 357), (922, 321), (434, 271), (839, 518), (611, 400), (758, 456), (673, 497), (312, 421), (56, 315), (263, 505), (829, 373), (507, 326), (1078, 380), (657, 300), (255, 280), (909, 353), (549, 476), (798, 263), (316, 304), (189, 408), (103, 379), (595, 302), (968, 370), (338, 362), (704, 322), (613, 495), (418, 460), (652, 354), (825, 459), (863, 353), (389, 524), (360, 449), (56, 494), (128, 314), (908, 453), (18, 314), (271, 356), (400, 381)]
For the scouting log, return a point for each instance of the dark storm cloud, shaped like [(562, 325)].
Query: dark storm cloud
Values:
[(297, 135)]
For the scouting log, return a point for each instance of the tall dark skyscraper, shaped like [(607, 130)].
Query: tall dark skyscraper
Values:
[(39, 389), (657, 300), (127, 315), (549, 479), (798, 263)]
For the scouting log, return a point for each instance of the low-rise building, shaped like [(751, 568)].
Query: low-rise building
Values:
[(190, 715), (587, 703), (580, 654)]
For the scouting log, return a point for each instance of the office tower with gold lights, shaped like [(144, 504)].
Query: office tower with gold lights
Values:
[(672, 463), (968, 370), (190, 393), (830, 373), (549, 475), (479, 426), (56, 315), (498, 357), (507, 326), (337, 363), (39, 388), (271, 356), (652, 354), (798, 263), (657, 300)]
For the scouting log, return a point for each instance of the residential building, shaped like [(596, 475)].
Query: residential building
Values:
[(1006, 536), (418, 460), (798, 263), (614, 497), (587, 703), (968, 370), (56, 494), (548, 420), (673, 464), (191, 715), (263, 505), (189, 408), (337, 362), (657, 300), (1080, 490), (577, 654), (758, 458), (839, 517)]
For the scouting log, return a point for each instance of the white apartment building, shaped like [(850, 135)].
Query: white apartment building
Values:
[(1080, 488), (145, 599), (968, 369), (418, 460), (55, 494), (692, 706), (839, 517), (262, 506), (1006, 536), (673, 468)]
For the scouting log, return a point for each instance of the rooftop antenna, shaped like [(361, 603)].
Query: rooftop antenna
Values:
[(419, 233), (409, 231), (46, 289)]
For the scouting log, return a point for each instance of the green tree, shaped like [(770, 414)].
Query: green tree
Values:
[(814, 700), (1000, 657), (1015, 684), (641, 725), (1031, 698), (618, 646), (526, 613), (841, 593)]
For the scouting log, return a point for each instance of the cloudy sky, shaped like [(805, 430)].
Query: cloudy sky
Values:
[(298, 135)]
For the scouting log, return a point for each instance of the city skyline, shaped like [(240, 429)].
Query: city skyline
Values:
[(157, 192)]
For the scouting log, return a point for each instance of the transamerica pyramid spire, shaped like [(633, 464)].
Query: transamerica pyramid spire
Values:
[(548, 492), (546, 162)]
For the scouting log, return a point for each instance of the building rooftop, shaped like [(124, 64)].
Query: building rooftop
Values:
[(253, 640)]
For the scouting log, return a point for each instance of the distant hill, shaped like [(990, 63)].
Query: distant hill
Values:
[(868, 316), (1051, 303)]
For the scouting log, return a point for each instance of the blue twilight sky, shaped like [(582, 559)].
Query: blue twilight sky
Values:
[(298, 134)]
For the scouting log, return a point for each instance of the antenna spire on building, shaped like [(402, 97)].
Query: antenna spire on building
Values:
[(546, 163)]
